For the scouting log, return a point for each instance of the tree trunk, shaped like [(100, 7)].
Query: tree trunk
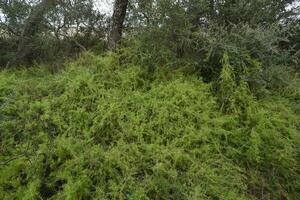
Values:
[(30, 29), (212, 9), (118, 17)]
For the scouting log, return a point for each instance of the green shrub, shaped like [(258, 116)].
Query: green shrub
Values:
[(101, 130)]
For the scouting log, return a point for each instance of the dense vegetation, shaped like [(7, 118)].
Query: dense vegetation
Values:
[(199, 100), (105, 131)]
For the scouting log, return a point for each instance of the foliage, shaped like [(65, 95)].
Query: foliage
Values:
[(200, 100), (101, 129), (67, 29)]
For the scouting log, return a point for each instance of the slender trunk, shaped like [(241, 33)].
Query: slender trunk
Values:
[(30, 29), (212, 9), (118, 18)]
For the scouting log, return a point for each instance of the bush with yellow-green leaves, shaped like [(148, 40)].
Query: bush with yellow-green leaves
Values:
[(101, 130)]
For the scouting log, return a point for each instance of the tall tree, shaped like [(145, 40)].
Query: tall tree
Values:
[(31, 27), (118, 18)]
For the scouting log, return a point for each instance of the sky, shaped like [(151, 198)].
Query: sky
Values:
[(104, 6), (297, 3)]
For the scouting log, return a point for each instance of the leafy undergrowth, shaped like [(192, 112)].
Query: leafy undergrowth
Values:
[(97, 130)]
